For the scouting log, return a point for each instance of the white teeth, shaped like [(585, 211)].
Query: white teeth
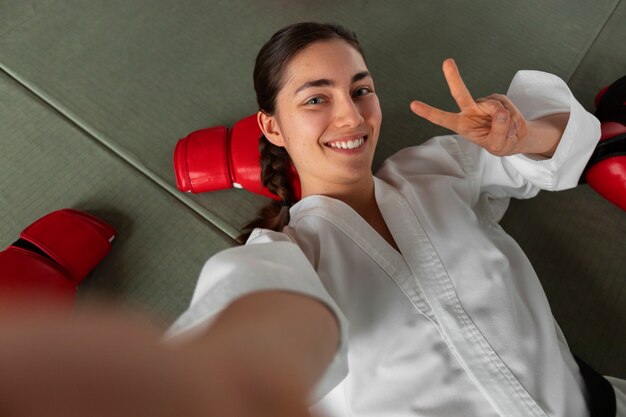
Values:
[(351, 144)]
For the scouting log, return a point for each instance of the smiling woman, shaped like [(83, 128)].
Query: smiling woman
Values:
[(322, 105), (316, 113), (437, 309), (395, 294)]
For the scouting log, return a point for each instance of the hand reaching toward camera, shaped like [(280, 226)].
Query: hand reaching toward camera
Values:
[(111, 363)]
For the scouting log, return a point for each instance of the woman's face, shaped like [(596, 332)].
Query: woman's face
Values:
[(327, 117)]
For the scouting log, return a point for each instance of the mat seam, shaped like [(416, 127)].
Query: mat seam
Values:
[(101, 139)]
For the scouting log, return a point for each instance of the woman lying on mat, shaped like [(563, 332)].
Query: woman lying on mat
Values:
[(389, 295)]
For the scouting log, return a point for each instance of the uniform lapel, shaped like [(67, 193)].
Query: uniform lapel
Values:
[(464, 339), (373, 244)]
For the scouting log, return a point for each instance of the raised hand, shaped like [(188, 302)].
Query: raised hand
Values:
[(493, 122)]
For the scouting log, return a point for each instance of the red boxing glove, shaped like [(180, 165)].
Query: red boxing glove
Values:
[(606, 169), (52, 256), (216, 158)]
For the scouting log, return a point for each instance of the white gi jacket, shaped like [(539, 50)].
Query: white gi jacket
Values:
[(457, 324)]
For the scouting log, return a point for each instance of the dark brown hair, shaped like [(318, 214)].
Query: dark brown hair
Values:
[(269, 70)]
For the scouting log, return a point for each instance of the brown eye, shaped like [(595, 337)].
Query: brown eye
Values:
[(362, 91), (315, 100)]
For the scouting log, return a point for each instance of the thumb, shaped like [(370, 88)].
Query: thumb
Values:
[(500, 124)]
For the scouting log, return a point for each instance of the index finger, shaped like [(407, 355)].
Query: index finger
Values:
[(457, 87)]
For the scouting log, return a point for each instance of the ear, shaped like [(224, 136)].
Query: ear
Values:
[(270, 128)]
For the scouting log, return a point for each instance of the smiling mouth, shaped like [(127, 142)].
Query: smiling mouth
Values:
[(348, 144)]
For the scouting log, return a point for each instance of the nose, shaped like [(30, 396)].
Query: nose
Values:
[(347, 113)]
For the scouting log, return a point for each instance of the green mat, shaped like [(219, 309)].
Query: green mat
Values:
[(94, 96)]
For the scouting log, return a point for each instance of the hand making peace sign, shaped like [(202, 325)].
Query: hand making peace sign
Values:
[(493, 122)]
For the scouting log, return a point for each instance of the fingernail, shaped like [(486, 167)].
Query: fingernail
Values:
[(501, 117)]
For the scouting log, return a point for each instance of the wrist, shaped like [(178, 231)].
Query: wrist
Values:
[(543, 135)]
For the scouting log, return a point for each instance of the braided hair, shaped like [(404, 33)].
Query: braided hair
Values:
[(269, 69), (275, 165)]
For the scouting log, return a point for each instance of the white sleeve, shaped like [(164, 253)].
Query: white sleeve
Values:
[(537, 94), (269, 261), (488, 180)]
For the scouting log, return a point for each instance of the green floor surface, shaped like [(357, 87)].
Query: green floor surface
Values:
[(94, 96), (48, 163)]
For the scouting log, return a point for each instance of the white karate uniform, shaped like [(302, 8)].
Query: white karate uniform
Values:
[(457, 324)]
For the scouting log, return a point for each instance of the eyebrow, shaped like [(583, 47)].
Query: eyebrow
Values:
[(324, 82)]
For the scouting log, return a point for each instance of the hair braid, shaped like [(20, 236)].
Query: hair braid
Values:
[(275, 165)]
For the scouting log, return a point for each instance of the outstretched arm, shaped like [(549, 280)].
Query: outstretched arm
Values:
[(493, 122), (260, 357), (268, 348)]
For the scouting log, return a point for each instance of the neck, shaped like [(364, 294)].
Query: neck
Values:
[(362, 199), (360, 196)]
